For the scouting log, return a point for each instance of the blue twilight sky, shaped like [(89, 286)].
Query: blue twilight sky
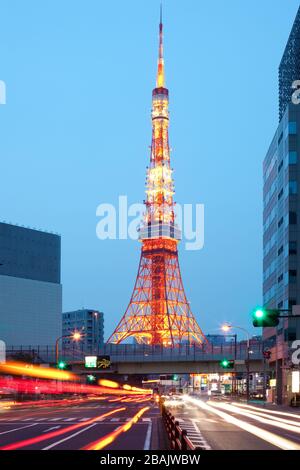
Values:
[(76, 129)]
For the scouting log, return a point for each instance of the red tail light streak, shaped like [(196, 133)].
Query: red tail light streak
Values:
[(51, 435), (111, 437)]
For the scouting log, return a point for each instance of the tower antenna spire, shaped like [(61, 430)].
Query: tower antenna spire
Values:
[(160, 78)]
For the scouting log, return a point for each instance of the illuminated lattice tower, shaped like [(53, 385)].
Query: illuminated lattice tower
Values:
[(158, 312)]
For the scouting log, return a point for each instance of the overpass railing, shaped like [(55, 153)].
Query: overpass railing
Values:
[(141, 353)]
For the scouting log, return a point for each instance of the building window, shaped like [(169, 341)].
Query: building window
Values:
[(292, 218), (292, 128), (280, 194), (280, 250), (292, 187), (292, 158), (280, 166), (280, 278), (280, 222), (290, 334), (280, 304), (292, 248), (292, 275), (292, 302)]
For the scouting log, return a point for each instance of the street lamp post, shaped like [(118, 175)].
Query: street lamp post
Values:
[(228, 327), (75, 336)]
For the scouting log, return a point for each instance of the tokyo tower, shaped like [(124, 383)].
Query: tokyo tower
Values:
[(158, 312)]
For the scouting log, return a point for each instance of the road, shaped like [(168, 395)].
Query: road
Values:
[(222, 425), (80, 425)]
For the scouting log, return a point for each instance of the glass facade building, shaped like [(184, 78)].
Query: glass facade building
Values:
[(281, 220), (281, 216), (30, 288), (90, 323)]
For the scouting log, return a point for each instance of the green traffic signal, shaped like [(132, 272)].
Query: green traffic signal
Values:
[(61, 365), (262, 317), (226, 364), (90, 378)]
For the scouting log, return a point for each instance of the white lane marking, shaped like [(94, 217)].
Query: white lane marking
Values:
[(115, 420), (69, 419), (39, 419), (203, 441), (84, 419), (55, 419), (69, 437), (52, 428), (148, 437), (27, 419), (146, 420), (17, 429)]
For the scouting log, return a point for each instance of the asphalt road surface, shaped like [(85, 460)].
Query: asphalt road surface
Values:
[(74, 427), (220, 425)]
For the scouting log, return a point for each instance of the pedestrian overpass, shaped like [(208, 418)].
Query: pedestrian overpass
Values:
[(144, 359)]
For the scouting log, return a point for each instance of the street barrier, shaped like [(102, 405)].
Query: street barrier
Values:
[(177, 437)]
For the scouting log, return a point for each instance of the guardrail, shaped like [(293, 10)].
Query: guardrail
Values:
[(143, 353), (177, 437)]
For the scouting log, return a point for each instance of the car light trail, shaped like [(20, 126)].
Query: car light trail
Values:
[(116, 399), (108, 383), (271, 422), (267, 436), (53, 387), (111, 437), (50, 435), (260, 412), (20, 368), (283, 413)]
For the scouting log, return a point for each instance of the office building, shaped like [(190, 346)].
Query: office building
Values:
[(281, 216), (87, 321), (30, 288)]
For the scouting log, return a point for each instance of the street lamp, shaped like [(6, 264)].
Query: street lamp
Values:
[(227, 327), (76, 336)]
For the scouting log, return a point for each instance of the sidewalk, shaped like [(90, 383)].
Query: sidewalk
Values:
[(159, 438)]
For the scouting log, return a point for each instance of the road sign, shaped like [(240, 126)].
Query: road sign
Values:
[(91, 362), (103, 362)]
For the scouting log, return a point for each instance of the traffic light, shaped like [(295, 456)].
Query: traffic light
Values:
[(227, 364), (62, 365), (262, 317), (90, 378)]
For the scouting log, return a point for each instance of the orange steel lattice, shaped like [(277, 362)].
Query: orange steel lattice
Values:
[(158, 312)]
